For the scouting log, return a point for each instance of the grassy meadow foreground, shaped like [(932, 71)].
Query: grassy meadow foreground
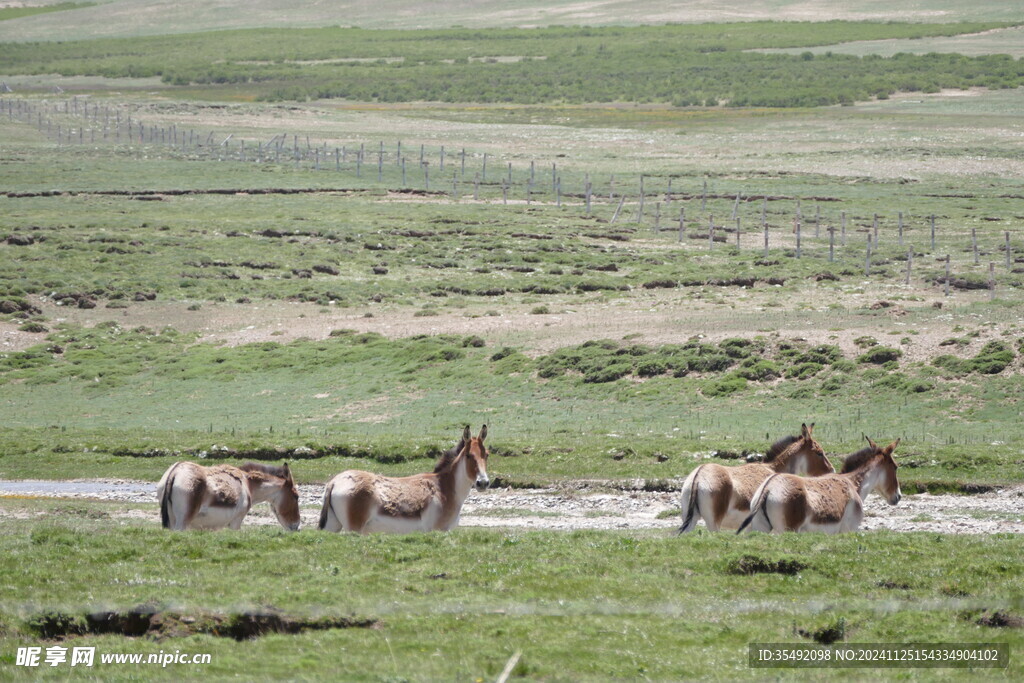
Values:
[(579, 605), (266, 245)]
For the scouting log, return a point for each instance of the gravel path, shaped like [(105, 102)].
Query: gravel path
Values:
[(566, 509)]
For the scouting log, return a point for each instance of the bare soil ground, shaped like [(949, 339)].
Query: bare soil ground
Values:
[(573, 506)]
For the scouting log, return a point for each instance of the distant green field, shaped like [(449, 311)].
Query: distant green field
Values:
[(9, 13), (703, 65)]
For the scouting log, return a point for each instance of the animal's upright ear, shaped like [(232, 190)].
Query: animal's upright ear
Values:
[(870, 442), (892, 447), (805, 431), (287, 471), (483, 433), (465, 435)]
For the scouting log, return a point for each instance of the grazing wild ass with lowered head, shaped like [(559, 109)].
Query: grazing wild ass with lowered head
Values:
[(366, 502), (832, 503), (721, 495), (195, 497)]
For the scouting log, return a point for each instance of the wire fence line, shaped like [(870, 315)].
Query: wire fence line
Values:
[(627, 206)]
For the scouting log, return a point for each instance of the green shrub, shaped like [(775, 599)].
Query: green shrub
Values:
[(833, 384), (609, 373), (804, 370), (993, 358), (844, 365), (652, 367), (758, 369), (729, 384), (740, 348), (824, 354), (879, 355), (709, 363)]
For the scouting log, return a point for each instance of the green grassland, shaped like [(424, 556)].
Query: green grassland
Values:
[(703, 64), (582, 605)]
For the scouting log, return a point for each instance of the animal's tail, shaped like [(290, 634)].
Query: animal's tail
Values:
[(692, 506), (165, 497), (326, 509), (758, 506)]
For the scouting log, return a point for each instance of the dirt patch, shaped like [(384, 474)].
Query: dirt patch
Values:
[(146, 621), (751, 564), (999, 619)]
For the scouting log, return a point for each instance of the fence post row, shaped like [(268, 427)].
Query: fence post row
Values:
[(99, 122)]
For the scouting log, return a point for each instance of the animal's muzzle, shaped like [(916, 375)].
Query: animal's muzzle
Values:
[(482, 482)]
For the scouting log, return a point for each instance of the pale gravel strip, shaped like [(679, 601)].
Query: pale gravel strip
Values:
[(999, 511)]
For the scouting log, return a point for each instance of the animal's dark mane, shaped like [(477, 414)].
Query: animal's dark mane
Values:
[(271, 470), (779, 447), (448, 457), (855, 461)]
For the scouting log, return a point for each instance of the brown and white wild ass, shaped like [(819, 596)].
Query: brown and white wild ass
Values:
[(721, 495), (366, 502), (833, 503), (196, 497)]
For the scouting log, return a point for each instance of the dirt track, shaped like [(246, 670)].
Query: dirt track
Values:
[(566, 509)]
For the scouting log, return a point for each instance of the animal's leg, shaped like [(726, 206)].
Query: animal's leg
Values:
[(709, 509), (236, 522), (853, 516), (329, 518), (181, 511)]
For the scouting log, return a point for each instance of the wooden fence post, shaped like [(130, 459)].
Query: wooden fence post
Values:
[(682, 222), (900, 228), (842, 223), (615, 216), (796, 229), (831, 244), (867, 258), (711, 233), (974, 245), (640, 207), (932, 221), (946, 288)]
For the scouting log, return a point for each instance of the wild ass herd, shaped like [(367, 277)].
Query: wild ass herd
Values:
[(795, 488)]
